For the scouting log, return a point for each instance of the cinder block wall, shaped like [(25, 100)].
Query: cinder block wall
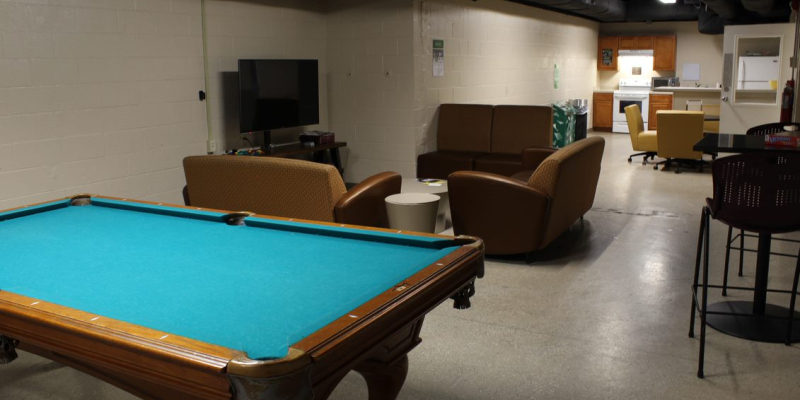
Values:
[(98, 96), (371, 84), (101, 96), (498, 52), (266, 29)]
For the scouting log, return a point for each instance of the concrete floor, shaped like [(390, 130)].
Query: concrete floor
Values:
[(604, 313)]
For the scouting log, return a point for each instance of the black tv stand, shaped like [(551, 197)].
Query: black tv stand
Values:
[(317, 152), (267, 143)]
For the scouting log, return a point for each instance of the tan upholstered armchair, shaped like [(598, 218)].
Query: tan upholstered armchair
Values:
[(513, 216), (678, 131), (287, 188), (641, 140)]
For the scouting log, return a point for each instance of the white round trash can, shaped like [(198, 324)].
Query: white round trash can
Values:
[(413, 211)]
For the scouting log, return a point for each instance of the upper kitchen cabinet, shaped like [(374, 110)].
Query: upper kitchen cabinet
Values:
[(643, 43), (664, 48), (627, 42), (635, 42), (607, 49)]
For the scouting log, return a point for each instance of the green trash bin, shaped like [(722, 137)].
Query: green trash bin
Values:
[(563, 124)]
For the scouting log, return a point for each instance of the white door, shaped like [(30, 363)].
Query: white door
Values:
[(747, 105)]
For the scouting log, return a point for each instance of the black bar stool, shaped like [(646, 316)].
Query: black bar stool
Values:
[(760, 130), (757, 192)]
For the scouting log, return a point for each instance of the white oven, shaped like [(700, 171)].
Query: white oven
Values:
[(631, 91)]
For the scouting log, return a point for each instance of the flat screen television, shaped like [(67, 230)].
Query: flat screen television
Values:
[(276, 94)]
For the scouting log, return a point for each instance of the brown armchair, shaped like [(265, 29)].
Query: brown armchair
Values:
[(286, 188), (513, 216)]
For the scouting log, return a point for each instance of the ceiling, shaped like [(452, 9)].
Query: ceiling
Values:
[(712, 15)]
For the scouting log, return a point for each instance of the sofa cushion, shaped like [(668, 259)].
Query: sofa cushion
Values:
[(464, 127), (515, 128), (523, 176), (501, 164), (440, 164)]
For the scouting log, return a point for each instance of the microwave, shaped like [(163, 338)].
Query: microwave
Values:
[(665, 81)]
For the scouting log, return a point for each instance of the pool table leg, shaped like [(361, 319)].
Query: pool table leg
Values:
[(8, 349), (384, 381), (295, 386)]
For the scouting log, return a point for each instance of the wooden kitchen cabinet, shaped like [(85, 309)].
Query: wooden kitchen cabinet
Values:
[(643, 43), (627, 42), (635, 42), (603, 111), (657, 102), (607, 51), (664, 48)]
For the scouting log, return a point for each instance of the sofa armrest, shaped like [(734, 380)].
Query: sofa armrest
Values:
[(507, 214), (365, 203), (533, 156), (186, 200)]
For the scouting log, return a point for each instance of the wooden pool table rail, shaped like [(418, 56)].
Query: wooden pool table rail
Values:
[(373, 339)]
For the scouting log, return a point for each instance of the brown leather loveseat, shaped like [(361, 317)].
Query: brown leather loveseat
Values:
[(485, 138), (287, 188), (513, 216)]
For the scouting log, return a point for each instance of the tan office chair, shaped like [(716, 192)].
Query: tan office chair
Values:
[(678, 131), (641, 140), (711, 110)]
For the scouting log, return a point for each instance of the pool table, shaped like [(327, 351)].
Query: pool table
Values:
[(173, 302)]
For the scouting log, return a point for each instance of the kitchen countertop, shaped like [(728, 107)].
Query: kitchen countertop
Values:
[(676, 89), (614, 90)]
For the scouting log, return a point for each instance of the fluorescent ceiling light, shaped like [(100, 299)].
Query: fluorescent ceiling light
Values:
[(668, 1)]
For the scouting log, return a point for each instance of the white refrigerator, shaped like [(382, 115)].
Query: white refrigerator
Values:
[(755, 72)]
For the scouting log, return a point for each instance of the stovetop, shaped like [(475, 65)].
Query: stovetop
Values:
[(634, 85)]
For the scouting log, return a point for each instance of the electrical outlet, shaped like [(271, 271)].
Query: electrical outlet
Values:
[(211, 146)]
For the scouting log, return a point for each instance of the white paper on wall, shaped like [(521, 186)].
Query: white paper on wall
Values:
[(438, 62), (691, 72), (438, 57)]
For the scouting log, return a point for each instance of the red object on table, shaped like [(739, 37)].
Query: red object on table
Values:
[(789, 141)]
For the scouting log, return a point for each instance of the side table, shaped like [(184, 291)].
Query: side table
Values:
[(439, 188), (413, 211)]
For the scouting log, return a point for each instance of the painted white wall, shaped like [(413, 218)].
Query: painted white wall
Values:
[(497, 52), (99, 97)]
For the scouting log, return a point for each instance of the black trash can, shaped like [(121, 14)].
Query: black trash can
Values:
[(581, 125), (581, 112)]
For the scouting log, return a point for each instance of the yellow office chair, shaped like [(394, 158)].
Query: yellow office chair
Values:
[(641, 140), (678, 131), (711, 110)]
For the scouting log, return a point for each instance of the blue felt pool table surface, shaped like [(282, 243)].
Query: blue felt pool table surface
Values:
[(258, 288)]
